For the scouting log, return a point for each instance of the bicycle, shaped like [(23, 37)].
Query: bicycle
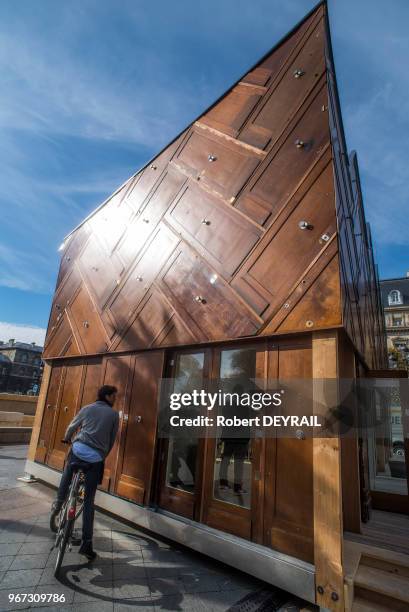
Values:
[(71, 509)]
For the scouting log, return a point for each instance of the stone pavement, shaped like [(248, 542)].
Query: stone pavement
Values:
[(134, 570)]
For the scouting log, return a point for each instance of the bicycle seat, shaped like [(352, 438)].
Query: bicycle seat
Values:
[(79, 464)]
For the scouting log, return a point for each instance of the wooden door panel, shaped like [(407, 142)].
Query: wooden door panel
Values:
[(50, 412), (284, 169), (149, 214), (117, 372), (92, 382), (156, 324), (62, 342), (204, 297), (220, 235), (288, 511), (111, 221), (286, 97), (73, 247), (265, 286), (225, 519), (147, 179), (62, 299), (142, 275), (231, 112), (258, 76), (285, 52), (67, 408), (86, 320), (135, 471), (101, 271), (178, 502), (222, 165)]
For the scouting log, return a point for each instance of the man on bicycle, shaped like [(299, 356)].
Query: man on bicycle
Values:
[(98, 426)]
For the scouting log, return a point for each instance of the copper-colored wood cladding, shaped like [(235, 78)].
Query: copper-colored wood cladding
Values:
[(207, 242), (250, 225)]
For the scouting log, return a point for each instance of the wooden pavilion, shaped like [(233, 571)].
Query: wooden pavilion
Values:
[(245, 236)]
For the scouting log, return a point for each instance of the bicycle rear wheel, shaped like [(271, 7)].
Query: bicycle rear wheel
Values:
[(63, 545)]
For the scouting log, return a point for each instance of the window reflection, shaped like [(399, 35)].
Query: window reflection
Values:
[(233, 461), (182, 453)]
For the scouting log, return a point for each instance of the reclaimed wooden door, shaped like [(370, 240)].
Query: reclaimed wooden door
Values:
[(232, 467), (116, 371), (50, 412), (288, 476), (66, 409), (181, 459), (138, 436)]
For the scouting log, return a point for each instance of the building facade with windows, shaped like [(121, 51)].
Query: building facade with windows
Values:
[(395, 301), (20, 367)]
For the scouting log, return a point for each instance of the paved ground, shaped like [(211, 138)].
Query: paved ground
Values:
[(134, 570)]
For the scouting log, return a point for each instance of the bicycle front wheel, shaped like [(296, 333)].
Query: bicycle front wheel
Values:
[(54, 521), (63, 545)]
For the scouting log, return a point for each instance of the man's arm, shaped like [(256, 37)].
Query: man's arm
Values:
[(114, 431), (75, 423)]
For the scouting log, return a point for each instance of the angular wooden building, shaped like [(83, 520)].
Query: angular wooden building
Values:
[(243, 241)]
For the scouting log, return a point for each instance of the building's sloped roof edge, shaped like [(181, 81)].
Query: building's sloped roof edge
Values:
[(263, 58)]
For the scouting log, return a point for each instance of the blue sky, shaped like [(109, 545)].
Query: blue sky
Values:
[(91, 89)]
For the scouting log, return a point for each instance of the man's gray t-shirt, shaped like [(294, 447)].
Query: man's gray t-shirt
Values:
[(99, 425)]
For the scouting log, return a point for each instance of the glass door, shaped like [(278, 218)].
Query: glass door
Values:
[(232, 456), (181, 458), (387, 426)]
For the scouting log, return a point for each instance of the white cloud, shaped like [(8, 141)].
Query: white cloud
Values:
[(22, 333)]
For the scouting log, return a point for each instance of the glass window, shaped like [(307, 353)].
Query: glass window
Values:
[(233, 461), (394, 297), (397, 320), (182, 453)]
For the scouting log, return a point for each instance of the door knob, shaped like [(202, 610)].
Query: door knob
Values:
[(211, 158), (299, 144), (303, 225), (138, 419), (205, 221), (65, 408), (298, 73), (200, 299)]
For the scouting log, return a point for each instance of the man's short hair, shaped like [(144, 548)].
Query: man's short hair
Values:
[(104, 391)]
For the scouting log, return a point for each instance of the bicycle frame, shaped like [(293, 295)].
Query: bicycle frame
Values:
[(68, 515)]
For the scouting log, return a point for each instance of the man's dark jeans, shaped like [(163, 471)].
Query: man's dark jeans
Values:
[(92, 479)]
